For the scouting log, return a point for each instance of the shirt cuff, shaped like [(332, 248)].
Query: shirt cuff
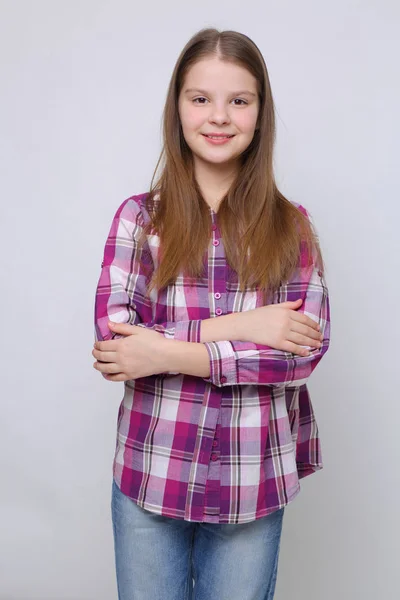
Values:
[(223, 367), (184, 331)]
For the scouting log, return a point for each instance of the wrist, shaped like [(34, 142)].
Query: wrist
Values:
[(189, 358), (223, 328)]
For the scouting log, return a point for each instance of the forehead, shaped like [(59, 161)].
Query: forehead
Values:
[(214, 74)]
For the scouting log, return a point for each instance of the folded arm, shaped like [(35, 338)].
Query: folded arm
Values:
[(121, 297), (237, 362), (121, 289), (226, 363), (125, 272)]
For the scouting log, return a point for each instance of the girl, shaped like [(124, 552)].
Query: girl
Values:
[(212, 308)]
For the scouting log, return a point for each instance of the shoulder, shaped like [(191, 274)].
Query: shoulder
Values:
[(310, 252), (133, 210), (301, 208)]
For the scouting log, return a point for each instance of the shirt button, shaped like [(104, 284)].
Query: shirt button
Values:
[(218, 311), (215, 443), (214, 456), (213, 227), (320, 273), (217, 295), (223, 379), (216, 243)]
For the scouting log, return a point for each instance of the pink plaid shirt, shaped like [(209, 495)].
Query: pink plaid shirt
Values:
[(230, 448)]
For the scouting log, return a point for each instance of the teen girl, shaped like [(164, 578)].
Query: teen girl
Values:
[(212, 308)]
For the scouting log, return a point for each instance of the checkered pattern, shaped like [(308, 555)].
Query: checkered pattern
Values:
[(230, 448)]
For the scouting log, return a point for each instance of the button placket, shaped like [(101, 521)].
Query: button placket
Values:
[(218, 281)]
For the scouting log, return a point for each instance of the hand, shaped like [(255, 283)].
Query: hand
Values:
[(280, 326), (139, 354)]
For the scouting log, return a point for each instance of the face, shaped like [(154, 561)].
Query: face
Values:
[(218, 98)]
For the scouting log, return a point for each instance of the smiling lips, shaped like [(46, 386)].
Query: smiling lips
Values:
[(218, 135), (218, 138)]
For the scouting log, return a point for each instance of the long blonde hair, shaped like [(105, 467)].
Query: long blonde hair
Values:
[(261, 229)]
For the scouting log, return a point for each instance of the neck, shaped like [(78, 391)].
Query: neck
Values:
[(214, 181)]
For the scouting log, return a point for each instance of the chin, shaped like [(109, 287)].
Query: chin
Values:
[(213, 160)]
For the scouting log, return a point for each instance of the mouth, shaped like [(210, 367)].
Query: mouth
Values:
[(218, 136)]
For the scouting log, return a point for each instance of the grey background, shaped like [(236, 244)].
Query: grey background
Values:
[(83, 86)]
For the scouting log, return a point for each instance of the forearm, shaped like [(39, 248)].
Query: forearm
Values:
[(189, 358), (218, 329), (192, 357)]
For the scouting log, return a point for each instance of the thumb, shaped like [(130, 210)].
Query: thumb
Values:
[(291, 302), (121, 327)]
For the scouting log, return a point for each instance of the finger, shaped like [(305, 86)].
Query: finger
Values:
[(296, 349), (105, 355), (302, 318), (123, 328), (107, 345), (104, 367), (309, 332), (116, 377), (303, 340), (287, 304)]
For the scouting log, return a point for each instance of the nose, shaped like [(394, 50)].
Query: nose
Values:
[(219, 114)]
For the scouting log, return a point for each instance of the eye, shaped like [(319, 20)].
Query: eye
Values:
[(243, 102)]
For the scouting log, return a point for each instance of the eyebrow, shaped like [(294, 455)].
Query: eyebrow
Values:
[(242, 92)]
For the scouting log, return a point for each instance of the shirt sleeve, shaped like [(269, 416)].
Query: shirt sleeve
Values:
[(241, 363), (125, 273)]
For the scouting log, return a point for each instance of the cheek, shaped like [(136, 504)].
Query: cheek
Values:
[(191, 119), (247, 121)]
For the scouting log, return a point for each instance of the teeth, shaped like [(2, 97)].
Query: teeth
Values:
[(218, 137)]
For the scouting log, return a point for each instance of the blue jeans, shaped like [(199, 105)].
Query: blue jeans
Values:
[(158, 557)]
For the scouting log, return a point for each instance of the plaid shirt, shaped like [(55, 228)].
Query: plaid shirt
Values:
[(230, 448)]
